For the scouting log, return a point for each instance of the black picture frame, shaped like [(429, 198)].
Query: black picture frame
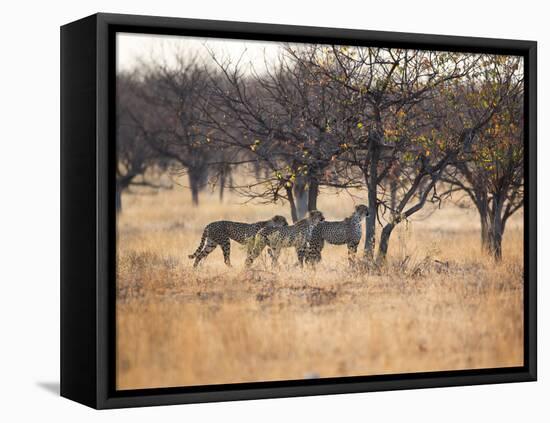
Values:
[(88, 211)]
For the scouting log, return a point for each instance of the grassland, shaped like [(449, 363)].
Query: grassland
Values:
[(439, 305)]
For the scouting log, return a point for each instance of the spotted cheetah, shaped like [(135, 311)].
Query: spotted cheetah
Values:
[(296, 236), (347, 231), (221, 232)]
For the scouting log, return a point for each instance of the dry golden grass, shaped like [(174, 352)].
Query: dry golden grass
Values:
[(177, 326)]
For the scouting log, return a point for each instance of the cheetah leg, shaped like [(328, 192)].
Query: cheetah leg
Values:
[(276, 252), (352, 251), (199, 248), (313, 253), (226, 248), (318, 252), (208, 248), (254, 251), (308, 255), (301, 252)]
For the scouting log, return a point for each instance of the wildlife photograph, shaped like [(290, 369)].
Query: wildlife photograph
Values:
[(296, 211)]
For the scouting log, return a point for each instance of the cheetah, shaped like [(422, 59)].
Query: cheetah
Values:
[(296, 236), (221, 232), (347, 231)]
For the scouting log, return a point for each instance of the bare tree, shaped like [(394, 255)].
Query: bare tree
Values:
[(172, 122), (385, 90), (134, 156), (279, 121), (491, 174)]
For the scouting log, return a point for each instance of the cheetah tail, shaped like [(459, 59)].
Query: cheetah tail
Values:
[(199, 248)]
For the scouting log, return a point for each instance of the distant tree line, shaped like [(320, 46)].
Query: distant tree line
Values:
[(410, 127)]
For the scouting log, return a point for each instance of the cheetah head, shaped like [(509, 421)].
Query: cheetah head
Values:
[(361, 210), (278, 221), (315, 216)]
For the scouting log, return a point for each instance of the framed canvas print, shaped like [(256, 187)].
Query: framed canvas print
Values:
[(257, 211)]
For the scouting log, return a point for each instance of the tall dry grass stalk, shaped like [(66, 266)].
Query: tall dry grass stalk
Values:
[(440, 304)]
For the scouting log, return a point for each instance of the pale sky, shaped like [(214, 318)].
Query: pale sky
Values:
[(134, 49), (131, 48)]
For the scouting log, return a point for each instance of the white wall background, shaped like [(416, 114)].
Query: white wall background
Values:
[(29, 209)]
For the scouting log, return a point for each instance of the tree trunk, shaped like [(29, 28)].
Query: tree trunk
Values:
[(223, 176), (393, 194), (496, 229), (197, 178), (371, 179), (484, 232), (118, 198), (384, 243), (194, 184), (195, 195), (222, 188), (230, 181), (301, 197), (122, 183), (290, 196), (482, 205), (313, 193), (495, 244)]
